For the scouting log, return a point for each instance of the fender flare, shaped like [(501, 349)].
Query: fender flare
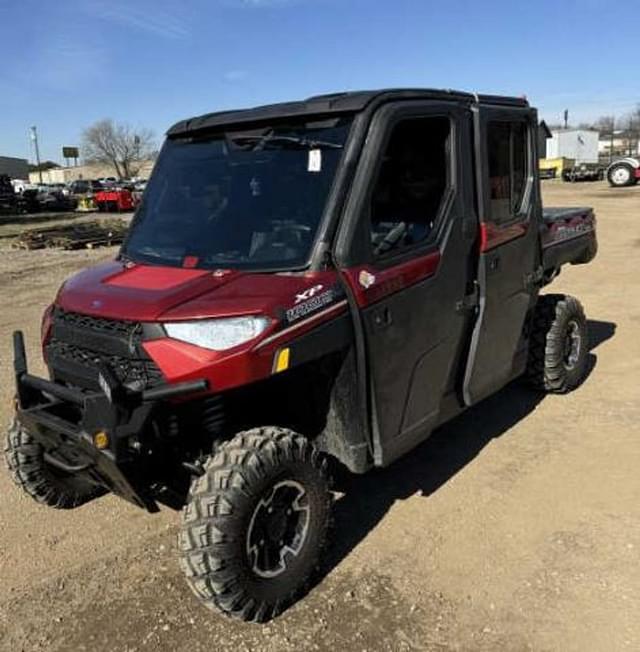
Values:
[(633, 162)]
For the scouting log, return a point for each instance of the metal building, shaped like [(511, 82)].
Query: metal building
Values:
[(16, 168), (581, 145)]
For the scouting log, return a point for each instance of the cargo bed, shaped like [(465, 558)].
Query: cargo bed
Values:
[(568, 236)]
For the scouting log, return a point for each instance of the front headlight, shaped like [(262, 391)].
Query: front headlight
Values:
[(217, 334)]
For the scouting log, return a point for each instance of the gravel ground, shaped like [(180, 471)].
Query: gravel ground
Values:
[(516, 526)]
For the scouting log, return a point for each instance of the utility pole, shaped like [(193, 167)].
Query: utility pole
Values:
[(34, 138), (566, 118), (613, 124)]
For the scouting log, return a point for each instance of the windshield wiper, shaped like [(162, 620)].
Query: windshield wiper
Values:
[(261, 142)]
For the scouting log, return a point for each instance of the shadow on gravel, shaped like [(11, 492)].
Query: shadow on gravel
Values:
[(599, 332), (429, 466)]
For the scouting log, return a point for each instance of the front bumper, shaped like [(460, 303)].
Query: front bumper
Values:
[(64, 421)]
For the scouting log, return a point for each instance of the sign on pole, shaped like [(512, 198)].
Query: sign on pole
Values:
[(70, 152)]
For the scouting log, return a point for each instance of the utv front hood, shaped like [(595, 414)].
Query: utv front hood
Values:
[(150, 293)]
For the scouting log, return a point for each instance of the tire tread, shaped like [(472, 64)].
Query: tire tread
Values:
[(29, 471), (545, 365), (209, 535)]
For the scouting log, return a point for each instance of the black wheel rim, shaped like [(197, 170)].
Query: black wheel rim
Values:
[(278, 529), (572, 345)]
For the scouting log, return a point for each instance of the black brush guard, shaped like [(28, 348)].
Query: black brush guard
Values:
[(64, 421)]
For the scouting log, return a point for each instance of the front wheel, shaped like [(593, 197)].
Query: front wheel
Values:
[(45, 484), (255, 523), (558, 344)]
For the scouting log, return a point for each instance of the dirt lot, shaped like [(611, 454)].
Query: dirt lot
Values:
[(515, 527)]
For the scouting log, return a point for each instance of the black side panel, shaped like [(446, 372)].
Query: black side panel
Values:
[(505, 299), (576, 251)]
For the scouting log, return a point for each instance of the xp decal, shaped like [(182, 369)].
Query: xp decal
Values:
[(309, 301), (308, 294)]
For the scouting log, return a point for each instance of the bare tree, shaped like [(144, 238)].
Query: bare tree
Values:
[(633, 115), (605, 124), (118, 145), (631, 126)]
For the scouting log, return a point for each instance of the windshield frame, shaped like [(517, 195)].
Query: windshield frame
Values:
[(325, 215)]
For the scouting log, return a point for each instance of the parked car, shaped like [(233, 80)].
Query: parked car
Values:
[(19, 185), (324, 286), (45, 198), (85, 186), (59, 187), (7, 195)]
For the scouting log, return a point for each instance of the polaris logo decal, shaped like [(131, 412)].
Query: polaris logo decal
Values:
[(571, 231)]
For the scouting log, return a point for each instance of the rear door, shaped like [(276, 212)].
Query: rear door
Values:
[(416, 233), (509, 207)]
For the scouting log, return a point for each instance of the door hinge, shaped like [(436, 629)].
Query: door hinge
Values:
[(471, 300), (531, 279)]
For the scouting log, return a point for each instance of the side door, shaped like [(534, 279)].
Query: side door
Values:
[(509, 258), (412, 233)]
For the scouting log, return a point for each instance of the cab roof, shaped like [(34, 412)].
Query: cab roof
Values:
[(334, 103)]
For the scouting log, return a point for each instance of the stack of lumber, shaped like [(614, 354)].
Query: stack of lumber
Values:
[(86, 235)]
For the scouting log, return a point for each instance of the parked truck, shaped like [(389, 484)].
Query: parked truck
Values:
[(304, 285)]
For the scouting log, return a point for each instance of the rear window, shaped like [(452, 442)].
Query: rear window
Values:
[(507, 149)]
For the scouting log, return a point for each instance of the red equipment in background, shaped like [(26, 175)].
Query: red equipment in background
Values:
[(116, 200)]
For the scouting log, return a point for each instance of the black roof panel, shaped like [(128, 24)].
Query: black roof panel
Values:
[(346, 102)]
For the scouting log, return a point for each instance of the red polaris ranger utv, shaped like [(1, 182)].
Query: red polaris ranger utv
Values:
[(305, 282)]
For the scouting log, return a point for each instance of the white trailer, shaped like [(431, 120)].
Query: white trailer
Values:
[(581, 145)]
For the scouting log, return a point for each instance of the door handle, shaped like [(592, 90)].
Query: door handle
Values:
[(494, 263), (382, 318)]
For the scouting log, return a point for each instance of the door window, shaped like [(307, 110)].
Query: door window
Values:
[(507, 147), (411, 184)]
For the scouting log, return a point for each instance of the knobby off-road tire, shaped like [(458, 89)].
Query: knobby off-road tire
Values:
[(256, 523), (46, 485), (558, 345)]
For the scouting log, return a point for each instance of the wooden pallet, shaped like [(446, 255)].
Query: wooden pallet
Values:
[(87, 235)]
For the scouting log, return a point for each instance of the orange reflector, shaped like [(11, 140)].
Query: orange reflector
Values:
[(101, 440), (282, 360)]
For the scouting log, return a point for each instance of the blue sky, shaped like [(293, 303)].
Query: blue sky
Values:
[(68, 63)]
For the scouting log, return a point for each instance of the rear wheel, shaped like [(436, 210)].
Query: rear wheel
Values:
[(621, 174), (255, 523), (558, 345), (41, 481)]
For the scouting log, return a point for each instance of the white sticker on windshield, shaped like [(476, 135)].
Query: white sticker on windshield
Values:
[(315, 160)]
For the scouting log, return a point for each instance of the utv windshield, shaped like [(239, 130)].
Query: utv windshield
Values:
[(249, 199)]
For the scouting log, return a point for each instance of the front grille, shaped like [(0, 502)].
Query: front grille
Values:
[(81, 344), (127, 329), (126, 370)]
